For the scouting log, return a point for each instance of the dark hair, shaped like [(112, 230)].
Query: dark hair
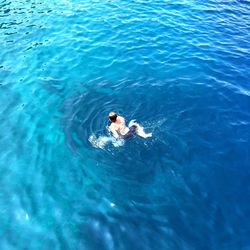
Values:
[(112, 116)]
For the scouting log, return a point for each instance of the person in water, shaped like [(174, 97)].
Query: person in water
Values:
[(119, 129)]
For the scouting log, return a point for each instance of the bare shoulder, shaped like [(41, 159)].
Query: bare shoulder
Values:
[(121, 118), (112, 126)]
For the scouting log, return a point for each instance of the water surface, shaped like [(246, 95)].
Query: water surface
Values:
[(181, 68)]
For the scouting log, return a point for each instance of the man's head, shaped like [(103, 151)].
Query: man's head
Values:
[(112, 116)]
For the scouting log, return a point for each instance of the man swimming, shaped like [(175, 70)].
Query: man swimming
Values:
[(119, 129)]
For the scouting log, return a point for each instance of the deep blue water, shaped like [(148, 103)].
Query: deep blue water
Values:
[(181, 68)]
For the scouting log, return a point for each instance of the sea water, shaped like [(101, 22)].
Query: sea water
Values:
[(181, 68)]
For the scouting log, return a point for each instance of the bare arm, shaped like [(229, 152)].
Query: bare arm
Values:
[(113, 131)]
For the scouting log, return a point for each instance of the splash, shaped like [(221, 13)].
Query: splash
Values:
[(154, 125), (102, 141)]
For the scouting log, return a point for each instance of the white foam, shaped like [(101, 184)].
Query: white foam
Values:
[(102, 141)]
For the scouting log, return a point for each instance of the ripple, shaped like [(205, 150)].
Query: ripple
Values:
[(180, 68)]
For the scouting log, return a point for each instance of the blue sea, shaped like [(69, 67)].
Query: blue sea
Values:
[(181, 68)]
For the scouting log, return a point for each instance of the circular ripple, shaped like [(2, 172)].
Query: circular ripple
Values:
[(85, 114)]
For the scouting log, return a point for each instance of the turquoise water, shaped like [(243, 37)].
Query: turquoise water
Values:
[(181, 68)]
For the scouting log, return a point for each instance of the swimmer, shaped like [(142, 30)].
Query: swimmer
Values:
[(119, 129)]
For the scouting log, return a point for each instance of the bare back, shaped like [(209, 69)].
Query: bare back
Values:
[(119, 128)]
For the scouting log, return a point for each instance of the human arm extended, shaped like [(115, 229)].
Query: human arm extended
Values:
[(113, 131)]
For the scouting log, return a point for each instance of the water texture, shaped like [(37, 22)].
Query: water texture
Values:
[(181, 68)]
